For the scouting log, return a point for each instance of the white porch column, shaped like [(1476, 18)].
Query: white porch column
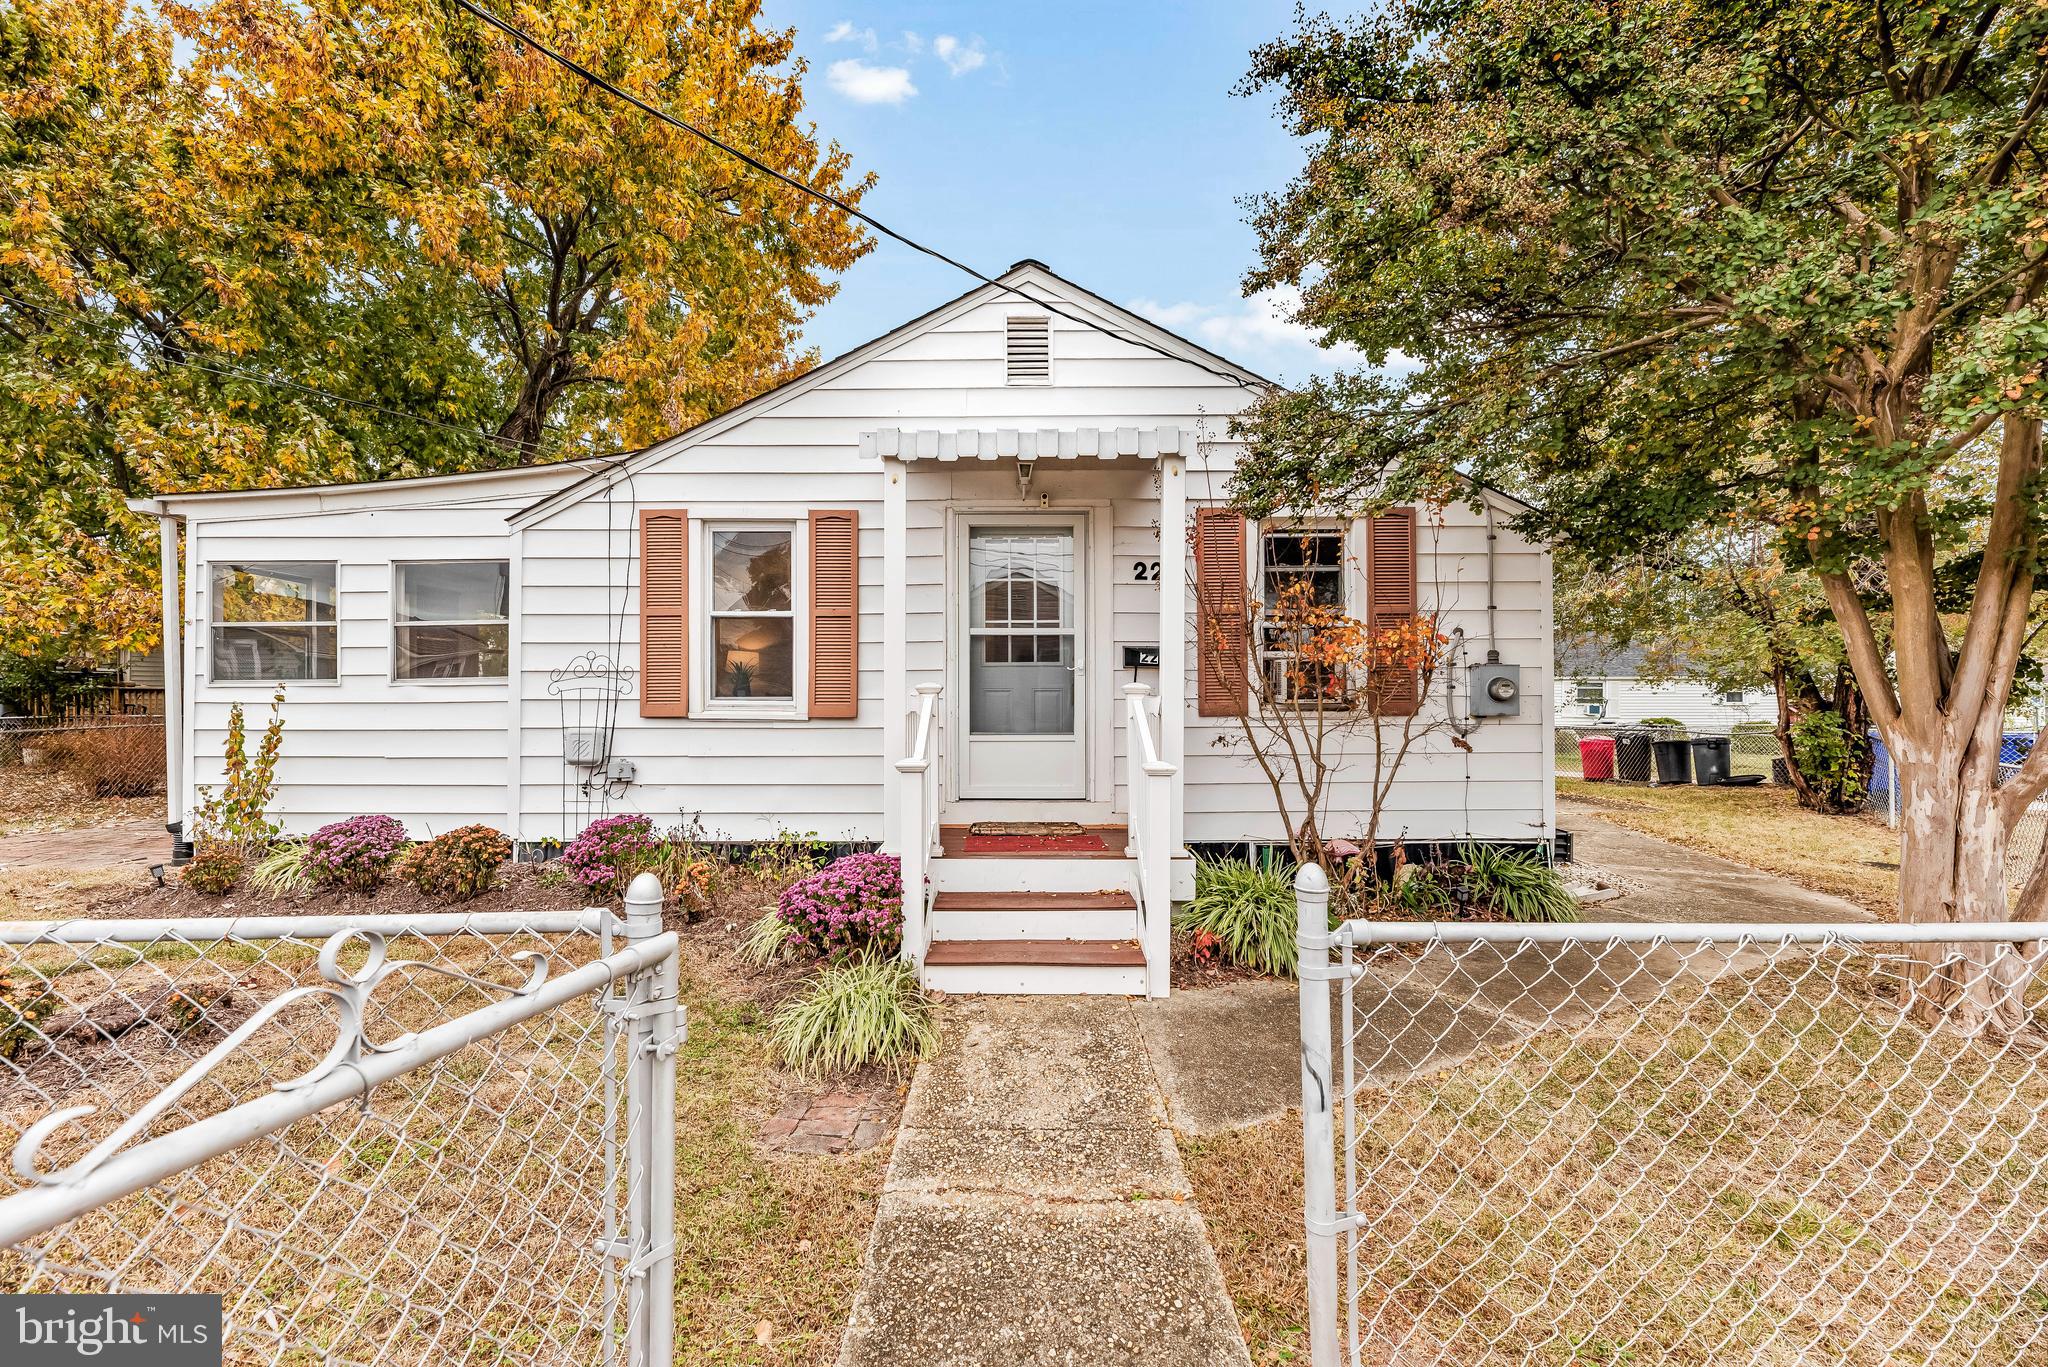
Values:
[(1173, 594), (174, 680), (895, 642)]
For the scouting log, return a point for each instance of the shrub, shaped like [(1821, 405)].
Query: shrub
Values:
[(1248, 909), (24, 1001), (282, 872), (790, 854), (1663, 723), (610, 851), (114, 761), (461, 864), (355, 854), (853, 903), (236, 813), (215, 867), (1517, 886), (866, 1009)]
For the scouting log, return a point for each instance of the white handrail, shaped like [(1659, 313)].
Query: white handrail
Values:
[(917, 840), (1150, 832)]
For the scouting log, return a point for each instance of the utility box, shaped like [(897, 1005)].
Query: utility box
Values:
[(1496, 689)]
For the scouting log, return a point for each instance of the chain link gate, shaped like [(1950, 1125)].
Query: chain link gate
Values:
[(419, 1139), (1668, 1143)]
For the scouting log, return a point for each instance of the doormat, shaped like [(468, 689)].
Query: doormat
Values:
[(1032, 837)]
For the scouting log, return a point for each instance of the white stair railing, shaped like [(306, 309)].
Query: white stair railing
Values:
[(1150, 832), (917, 778)]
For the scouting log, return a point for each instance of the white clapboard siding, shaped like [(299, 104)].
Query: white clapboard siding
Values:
[(438, 756)]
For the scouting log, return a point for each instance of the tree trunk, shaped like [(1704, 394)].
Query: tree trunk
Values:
[(1952, 870)]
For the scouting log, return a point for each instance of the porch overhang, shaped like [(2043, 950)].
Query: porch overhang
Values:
[(1026, 443)]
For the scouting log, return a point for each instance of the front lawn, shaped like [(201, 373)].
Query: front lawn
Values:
[(1775, 1170), (1854, 856)]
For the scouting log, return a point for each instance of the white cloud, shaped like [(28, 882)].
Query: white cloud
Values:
[(912, 43), (865, 84), (1259, 332), (960, 58), (845, 32)]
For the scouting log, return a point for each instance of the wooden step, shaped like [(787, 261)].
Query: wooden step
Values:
[(1106, 900), (953, 843), (1036, 953)]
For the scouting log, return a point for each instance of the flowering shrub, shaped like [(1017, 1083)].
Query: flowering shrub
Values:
[(460, 864), (610, 851), (215, 867), (852, 903), (355, 854)]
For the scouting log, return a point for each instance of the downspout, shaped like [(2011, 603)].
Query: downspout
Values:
[(174, 682)]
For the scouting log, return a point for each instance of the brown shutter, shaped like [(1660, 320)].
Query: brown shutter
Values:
[(1390, 601), (1221, 649), (835, 613), (664, 613)]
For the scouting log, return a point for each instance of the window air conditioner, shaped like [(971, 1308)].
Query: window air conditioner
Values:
[(1596, 709)]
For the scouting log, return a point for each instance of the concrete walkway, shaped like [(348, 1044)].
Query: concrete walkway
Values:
[(1229, 1057), (138, 843), (1035, 1210)]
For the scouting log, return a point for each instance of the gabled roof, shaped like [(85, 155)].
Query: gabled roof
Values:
[(1017, 282)]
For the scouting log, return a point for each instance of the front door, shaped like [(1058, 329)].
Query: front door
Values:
[(1021, 632)]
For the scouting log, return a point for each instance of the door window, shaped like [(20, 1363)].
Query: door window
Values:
[(1020, 672)]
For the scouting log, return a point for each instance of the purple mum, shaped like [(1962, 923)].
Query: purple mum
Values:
[(852, 903), (608, 848), (356, 853)]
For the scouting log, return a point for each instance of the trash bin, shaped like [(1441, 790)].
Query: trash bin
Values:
[(1710, 760), (1632, 756), (1674, 760), (1596, 758), (1781, 772)]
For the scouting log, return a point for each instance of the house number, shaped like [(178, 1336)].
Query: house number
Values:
[(1145, 571)]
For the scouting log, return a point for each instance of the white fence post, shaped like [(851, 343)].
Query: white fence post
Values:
[(1318, 1126), (653, 1037)]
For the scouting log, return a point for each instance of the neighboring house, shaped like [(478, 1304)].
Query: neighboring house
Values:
[(904, 593), (1601, 686)]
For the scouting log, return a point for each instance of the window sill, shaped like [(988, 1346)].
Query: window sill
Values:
[(766, 709)]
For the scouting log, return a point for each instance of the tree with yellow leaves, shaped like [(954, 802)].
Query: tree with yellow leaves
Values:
[(261, 242)]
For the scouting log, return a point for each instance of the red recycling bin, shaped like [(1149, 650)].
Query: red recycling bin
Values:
[(1596, 758)]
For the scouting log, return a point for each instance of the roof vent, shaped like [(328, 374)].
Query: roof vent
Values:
[(1029, 350)]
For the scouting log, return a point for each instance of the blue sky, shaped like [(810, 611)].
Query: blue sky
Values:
[(1099, 138)]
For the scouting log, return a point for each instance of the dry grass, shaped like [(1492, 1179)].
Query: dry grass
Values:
[(1854, 856), (1777, 1171), (447, 1221)]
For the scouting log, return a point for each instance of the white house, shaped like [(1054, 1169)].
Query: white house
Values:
[(1602, 686), (921, 587)]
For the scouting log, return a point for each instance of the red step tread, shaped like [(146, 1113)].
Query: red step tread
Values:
[(1106, 900), (1037, 953)]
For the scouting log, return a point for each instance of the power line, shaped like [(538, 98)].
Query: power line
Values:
[(617, 92), (228, 370)]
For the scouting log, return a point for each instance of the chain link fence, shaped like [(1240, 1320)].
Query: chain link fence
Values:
[(438, 1138), (1667, 1144), (82, 760), (1628, 753)]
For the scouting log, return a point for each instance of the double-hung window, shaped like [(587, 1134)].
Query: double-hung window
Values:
[(451, 621), (272, 621), (1588, 691), (751, 617), (1301, 569)]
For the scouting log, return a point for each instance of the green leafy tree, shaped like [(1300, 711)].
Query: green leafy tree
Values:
[(1677, 264)]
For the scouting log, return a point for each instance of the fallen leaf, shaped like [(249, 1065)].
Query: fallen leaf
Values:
[(764, 1333)]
